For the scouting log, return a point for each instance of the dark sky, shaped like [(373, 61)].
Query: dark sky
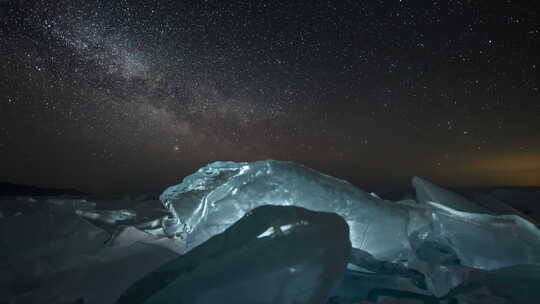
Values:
[(130, 96)]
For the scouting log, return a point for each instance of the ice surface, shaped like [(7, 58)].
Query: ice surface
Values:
[(495, 203), (217, 195), (128, 235), (77, 204), (486, 235), (33, 246), (364, 261), (100, 278), (510, 285), (465, 250), (363, 287), (486, 241), (299, 265), (428, 192), (516, 284), (50, 254), (108, 216)]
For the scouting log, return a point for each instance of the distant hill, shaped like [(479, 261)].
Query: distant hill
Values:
[(10, 189)]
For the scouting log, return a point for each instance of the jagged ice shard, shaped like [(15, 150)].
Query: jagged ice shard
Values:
[(219, 194), (481, 237)]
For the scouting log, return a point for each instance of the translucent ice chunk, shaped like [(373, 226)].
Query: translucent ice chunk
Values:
[(456, 243), (487, 241), (429, 192), (219, 194), (485, 235), (301, 265)]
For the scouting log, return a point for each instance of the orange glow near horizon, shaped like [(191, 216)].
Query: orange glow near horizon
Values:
[(509, 170)]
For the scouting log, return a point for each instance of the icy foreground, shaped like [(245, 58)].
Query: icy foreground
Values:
[(223, 241), (215, 196), (442, 234)]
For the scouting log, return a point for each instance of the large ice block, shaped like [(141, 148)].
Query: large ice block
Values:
[(486, 241), (219, 194), (302, 261), (453, 228)]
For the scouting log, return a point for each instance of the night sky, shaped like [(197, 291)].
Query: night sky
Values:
[(130, 96)]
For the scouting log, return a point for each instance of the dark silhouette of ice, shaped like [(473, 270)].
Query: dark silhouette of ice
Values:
[(302, 264)]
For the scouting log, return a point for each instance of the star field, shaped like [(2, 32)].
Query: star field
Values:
[(130, 96)]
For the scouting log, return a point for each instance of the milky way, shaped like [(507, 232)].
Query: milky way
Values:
[(112, 96)]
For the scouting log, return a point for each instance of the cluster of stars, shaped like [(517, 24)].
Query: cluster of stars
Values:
[(162, 87)]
